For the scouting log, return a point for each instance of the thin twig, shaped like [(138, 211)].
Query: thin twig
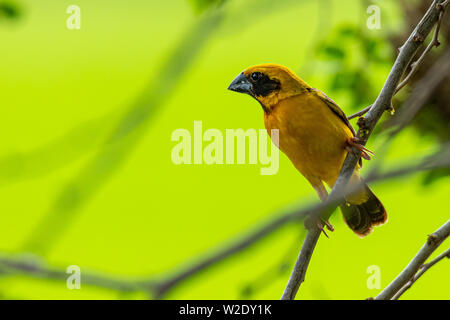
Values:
[(434, 42), (416, 64), (422, 270), (359, 113), (123, 139), (423, 90), (366, 126), (432, 243)]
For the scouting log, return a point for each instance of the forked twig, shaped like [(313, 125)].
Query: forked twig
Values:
[(416, 64), (420, 273), (400, 284)]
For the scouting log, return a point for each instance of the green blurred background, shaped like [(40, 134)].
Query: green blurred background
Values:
[(86, 176)]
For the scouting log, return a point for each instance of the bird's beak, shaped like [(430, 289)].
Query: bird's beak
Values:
[(241, 84)]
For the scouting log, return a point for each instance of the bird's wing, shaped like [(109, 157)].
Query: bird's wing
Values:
[(336, 110), (334, 107)]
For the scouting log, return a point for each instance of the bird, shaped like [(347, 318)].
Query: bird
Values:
[(315, 134)]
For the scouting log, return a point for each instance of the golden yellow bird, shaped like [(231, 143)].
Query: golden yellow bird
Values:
[(315, 135)]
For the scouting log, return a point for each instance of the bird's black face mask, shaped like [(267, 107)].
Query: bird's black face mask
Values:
[(256, 85)]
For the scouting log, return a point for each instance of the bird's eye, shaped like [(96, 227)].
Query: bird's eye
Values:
[(256, 76)]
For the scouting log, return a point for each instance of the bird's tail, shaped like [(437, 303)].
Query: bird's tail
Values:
[(362, 211)]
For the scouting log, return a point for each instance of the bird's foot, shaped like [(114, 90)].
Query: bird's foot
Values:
[(321, 223), (313, 221), (355, 142)]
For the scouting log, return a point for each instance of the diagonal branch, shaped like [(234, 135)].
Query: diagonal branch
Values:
[(410, 274), (366, 126)]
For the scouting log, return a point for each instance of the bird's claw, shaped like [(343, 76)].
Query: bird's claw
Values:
[(329, 225), (321, 223), (355, 142)]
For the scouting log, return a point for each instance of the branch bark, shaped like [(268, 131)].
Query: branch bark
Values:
[(397, 287), (366, 126)]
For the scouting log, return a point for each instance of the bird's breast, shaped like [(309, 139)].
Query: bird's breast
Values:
[(310, 134)]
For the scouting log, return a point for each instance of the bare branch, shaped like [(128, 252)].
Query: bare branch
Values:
[(397, 287), (298, 274), (366, 126)]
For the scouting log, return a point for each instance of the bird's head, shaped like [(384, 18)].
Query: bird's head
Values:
[(268, 83)]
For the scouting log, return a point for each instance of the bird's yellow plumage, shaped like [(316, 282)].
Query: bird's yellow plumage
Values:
[(314, 133)]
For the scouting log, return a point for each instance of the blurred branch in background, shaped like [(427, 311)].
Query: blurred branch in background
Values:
[(249, 12), (322, 28), (416, 267), (35, 267), (92, 135), (124, 137), (274, 271), (79, 141), (113, 151), (366, 125), (159, 286)]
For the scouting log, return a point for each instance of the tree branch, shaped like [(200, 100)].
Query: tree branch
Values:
[(410, 274), (366, 126)]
